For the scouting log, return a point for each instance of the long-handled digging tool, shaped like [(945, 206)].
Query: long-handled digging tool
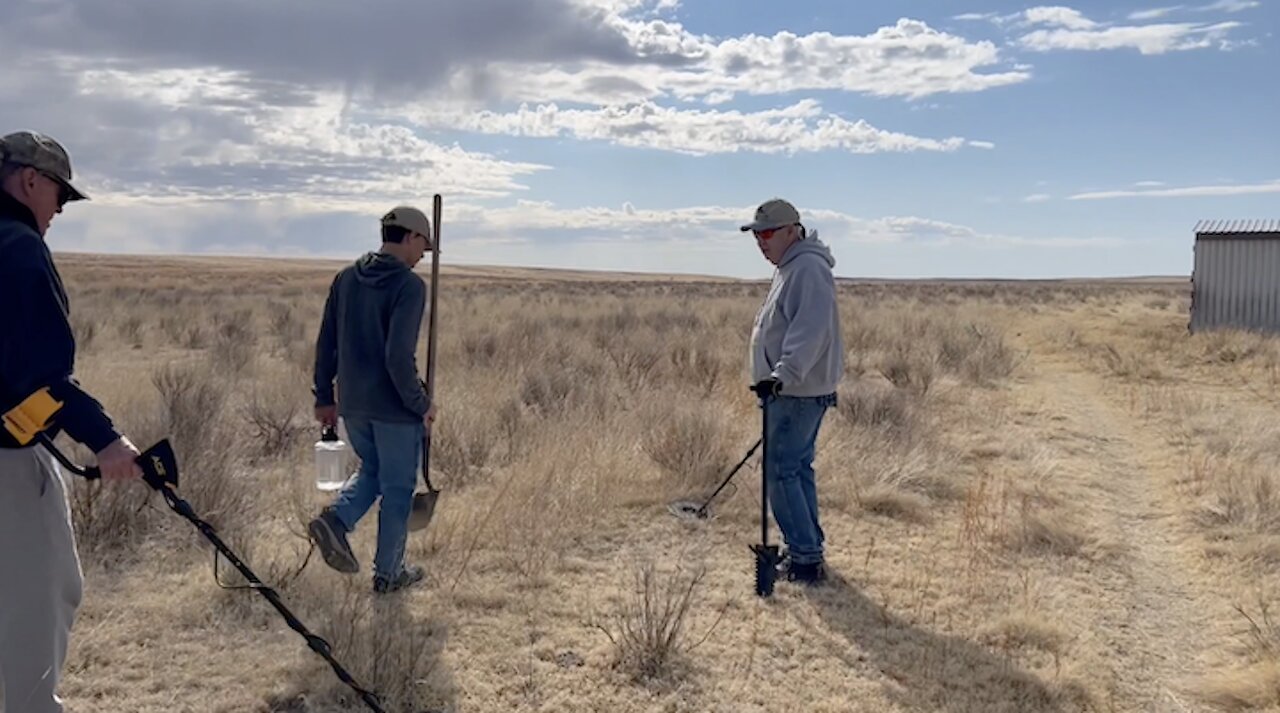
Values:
[(766, 554), (424, 504), (691, 510), (28, 422)]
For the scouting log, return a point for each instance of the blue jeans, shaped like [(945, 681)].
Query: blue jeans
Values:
[(389, 454), (793, 423)]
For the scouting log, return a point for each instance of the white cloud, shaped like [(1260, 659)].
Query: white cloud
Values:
[(1147, 39), (1231, 5), (925, 230), (1064, 28), (1149, 184), (975, 16), (598, 51), (982, 144), (211, 142), (1184, 192), (1220, 6), (1037, 198), (909, 59), (1058, 16), (690, 239), (1154, 13), (800, 127)]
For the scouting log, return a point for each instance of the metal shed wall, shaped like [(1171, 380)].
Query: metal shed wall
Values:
[(1236, 281)]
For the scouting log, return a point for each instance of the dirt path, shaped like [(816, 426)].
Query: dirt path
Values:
[(1149, 613)]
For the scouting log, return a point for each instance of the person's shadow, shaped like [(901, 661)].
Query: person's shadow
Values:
[(926, 671)]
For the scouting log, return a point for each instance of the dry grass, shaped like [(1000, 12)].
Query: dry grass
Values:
[(649, 629), (572, 411)]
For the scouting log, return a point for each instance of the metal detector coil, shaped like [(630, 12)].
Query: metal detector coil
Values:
[(690, 510)]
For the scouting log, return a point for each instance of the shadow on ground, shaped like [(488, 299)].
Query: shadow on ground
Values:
[(927, 671)]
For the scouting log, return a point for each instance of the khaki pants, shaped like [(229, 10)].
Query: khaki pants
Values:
[(40, 580)]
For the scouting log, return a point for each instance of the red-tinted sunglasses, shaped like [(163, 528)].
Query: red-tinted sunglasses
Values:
[(768, 234)]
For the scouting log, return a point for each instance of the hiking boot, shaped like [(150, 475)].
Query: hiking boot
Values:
[(810, 574), (328, 534), (408, 577)]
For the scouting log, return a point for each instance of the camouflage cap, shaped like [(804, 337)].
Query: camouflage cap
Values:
[(42, 153), (775, 213), (409, 218)]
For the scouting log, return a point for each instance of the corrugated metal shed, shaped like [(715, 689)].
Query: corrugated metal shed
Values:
[(1237, 227), (1236, 278)]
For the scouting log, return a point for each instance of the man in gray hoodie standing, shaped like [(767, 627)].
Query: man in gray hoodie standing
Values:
[(797, 360), (367, 343)]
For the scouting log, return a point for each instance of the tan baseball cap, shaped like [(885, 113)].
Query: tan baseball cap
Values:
[(27, 148), (775, 213), (409, 218)]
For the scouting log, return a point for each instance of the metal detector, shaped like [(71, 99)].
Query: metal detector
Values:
[(28, 421), (691, 510), (424, 504)]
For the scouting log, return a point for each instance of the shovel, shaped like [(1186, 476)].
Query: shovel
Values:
[(767, 555), (424, 504)]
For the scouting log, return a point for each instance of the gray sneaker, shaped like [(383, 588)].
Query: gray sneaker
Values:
[(408, 577), (328, 534)]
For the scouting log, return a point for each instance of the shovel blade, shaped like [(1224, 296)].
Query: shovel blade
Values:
[(424, 508), (766, 568)]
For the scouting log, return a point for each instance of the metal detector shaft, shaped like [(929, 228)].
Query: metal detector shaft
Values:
[(160, 482), (315, 643), (764, 477), (702, 510)]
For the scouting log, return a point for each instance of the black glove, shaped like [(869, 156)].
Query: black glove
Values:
[(767, 387)]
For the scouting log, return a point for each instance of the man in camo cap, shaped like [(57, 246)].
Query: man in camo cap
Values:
[(40, 579)]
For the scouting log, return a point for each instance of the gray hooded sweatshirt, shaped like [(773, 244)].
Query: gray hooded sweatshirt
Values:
[(368, 339), (796, 337)]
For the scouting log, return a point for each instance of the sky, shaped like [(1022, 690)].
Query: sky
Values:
[(966, 138)]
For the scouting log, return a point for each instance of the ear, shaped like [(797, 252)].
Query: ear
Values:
[(20, 182)]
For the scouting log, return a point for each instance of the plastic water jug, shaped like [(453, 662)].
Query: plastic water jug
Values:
[(331, 460)]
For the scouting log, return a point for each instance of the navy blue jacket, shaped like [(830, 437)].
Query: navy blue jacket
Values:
[(37, 346), (367, 342)]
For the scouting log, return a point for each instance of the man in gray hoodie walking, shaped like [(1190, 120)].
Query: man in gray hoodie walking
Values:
[(797, 360), (367, 343)]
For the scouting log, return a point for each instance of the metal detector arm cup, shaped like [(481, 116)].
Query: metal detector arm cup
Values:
[(32, 417), (29, 420)]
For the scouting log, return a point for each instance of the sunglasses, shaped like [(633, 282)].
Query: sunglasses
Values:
[(769, 233), (64, 193)]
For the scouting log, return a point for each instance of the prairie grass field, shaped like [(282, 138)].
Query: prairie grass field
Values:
[(1037, 496)]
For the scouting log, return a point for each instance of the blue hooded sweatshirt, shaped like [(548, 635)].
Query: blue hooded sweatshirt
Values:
[(37, 344), (368, 339)]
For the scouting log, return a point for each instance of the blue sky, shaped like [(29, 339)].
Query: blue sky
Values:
[(920, 139)]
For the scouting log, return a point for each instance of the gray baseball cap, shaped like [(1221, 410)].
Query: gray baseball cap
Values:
[(409, 218), (28, 148), (775, 213)]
